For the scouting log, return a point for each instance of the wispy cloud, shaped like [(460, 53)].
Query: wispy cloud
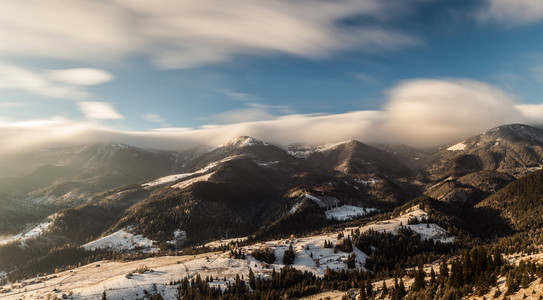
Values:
[(242, 96), (61, 84), (81, 76), (512, 12), (184, 34), (99, 110), (156, 118)]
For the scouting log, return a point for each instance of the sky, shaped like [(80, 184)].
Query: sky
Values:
[(180, 73)]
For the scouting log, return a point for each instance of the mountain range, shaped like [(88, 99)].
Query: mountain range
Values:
[(247, 187)]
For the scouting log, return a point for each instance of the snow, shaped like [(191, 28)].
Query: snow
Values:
[(434, 232), (370, 182), (166, 179), (305, 151), (347, 212), (219, 243), (178, 236), (186, 183), (327, 147), (266, 164), (175, 177), (294, 208), (300, 151), (458, 147), (244, 141), (88, 282), (315, 199), (32, 233), (121, 241)]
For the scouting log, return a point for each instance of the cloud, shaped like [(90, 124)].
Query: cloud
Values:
[(419, 112), (184, 34), (155, 118), (533, 113), (438, 111), (512, 12), (242, 96), (60, 84), (81, 76), (99, 110)]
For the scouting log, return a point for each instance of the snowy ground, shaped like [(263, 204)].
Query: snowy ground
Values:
[(122, 241), (121, 281), (430, 231), (176, 177), (32, 233), (347, 212)]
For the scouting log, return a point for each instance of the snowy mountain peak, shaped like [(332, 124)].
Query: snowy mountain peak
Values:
[(244, 141)]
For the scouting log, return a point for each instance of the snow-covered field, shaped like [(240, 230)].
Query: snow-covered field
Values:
[(347, 212), (121, 281), (430, 231), (122, 241), (32, 233)]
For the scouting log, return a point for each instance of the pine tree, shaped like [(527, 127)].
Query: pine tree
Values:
[(384, 290), (369, 288), (104, 295), (432, 276), (252, 281), (419, 282), (363, 291), (402, 291), (289, 256), (351, 261)]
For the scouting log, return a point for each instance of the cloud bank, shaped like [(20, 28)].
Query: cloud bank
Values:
[(419, 112), (187, 33)]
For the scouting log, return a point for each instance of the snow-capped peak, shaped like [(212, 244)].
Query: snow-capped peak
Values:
[(244, 141)]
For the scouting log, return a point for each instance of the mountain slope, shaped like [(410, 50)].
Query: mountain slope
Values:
[(513, 149), (353, 157), (520, 202)]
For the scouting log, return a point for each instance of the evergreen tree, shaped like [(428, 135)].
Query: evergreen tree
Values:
[(369, 288), (419, 282), (363, 295), (289, 256), (252, 281), (384, 290), (351, 261), (104, 295)]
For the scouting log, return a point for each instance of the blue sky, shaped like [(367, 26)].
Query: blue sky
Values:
[(180, 66)]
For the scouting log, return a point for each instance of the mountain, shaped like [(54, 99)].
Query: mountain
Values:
[(471, 188), (513, 149), (354, 157), (244, 146), (238, 188), (67, 180), (477, 167)]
